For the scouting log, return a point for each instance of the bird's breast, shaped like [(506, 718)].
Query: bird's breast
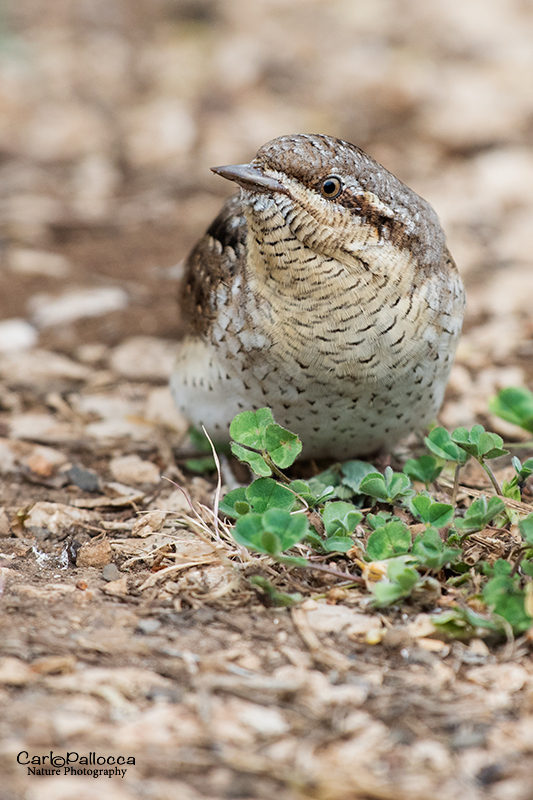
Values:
[(314, 310)]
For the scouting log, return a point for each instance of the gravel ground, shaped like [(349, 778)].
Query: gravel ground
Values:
[(125, 633)]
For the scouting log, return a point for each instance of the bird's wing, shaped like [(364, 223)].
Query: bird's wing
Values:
[(214, 261)]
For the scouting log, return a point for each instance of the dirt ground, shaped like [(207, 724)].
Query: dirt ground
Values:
[(124, 628)]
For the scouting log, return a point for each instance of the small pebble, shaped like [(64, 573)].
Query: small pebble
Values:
[(91, 353), (74, 304), (144, 358), (171, 694), (17, 334), (84, 479), (38, 262), (489, 774), (132, 469), (110, 572), (465, 738), (148, 625)]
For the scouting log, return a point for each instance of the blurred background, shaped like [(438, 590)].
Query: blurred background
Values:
[(112, 112)]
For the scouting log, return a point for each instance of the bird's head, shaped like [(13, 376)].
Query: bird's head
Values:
[(339, 202)]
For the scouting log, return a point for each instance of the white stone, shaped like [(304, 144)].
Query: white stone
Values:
[(15, 672), (161, 410), (144, 358), (332, 619), (25, 261), (48, 310), (17, 334), (56, 517), (91, 353), (264, 721), (42, 428), (132, 469), (40, 368)]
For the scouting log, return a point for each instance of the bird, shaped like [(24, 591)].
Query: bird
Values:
[(325, 291)]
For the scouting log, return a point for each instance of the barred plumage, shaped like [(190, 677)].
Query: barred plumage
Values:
[(323, 290)]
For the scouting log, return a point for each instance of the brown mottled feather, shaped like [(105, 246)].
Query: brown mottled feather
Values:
[(341, 314), (215, 259)]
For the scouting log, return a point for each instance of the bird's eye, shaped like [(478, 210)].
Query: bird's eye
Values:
[(330, 187)]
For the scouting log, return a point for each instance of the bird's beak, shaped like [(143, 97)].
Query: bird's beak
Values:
[(250, 177)]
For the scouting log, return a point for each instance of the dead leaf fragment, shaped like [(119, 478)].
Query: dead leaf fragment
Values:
[(144, 358), (499, 677), (332, 619), (434, 646), (14, 672), (56, 517), (54, 665), (47, 593), (373, 571), (16, 454), (118, 588), (5, 527), (96, 553), (132, 469), (324, 655), (421, 626), (152, 522), (366, 626), (116, 496), (40, 368), (161, 410), (127, 682), (40, 465)]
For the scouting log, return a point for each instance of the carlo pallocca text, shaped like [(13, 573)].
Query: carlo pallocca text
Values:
[(72, 763)]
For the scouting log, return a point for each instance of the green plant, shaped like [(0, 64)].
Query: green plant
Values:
[(425, 469), (515, 405), (432, 552), (440, 442), (513, 488), (392, 542), (203, 463), (262, 444), (275, 597), (389, 540), (342, 481), (410, 545), (340, 519), (461, 444), (272, 533), (260, 496), (525, 527), (505, 597), (479, 514), (270, 514), (391, 487), (430, 511), (402, 578)]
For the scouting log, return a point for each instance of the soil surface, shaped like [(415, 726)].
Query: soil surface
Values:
[(128, 625)]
